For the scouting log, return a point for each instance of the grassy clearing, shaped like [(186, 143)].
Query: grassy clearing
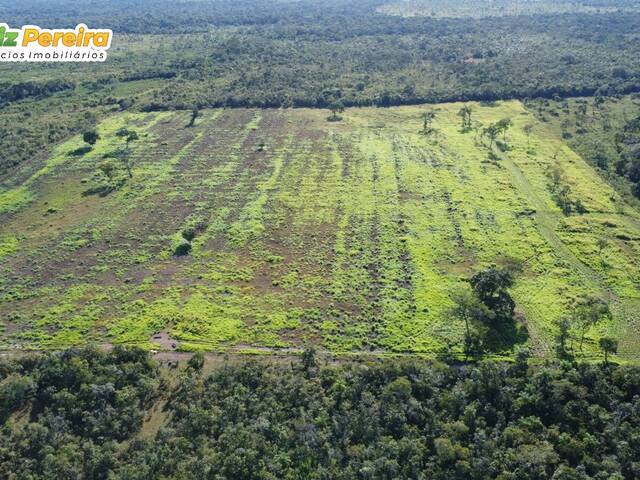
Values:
[(350, 235)]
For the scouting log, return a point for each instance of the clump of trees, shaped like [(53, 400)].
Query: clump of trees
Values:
[(428, 118), (182, 243), (586, 313), (561, 192), (492, 131), (116, 167)]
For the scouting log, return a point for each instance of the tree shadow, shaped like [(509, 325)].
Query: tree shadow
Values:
[(99, 190), (78, 152), (505, 334)]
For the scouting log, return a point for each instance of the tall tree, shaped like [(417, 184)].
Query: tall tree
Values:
[(469, 308), (465, 114), (608, 346), (528, 128), (503, 126), (587, 313), (195, 113), (427, 121), (491, 286), (491, 132), (336, 108)]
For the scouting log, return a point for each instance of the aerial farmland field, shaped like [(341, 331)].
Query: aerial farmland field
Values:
[(320, 240), (261, 230)]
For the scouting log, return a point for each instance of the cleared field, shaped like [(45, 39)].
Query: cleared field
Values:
[(350, 235)]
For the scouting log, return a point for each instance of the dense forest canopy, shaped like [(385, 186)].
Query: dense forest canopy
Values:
[(87, 414), (499, 8)]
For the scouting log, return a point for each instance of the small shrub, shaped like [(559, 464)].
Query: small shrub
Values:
[(182, 247), (189, 233)]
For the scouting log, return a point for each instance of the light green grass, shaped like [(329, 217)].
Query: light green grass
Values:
[(350, 235)]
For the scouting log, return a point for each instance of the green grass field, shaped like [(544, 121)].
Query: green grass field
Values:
[(349, 235)]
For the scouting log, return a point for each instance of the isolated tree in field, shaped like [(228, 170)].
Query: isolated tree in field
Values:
[(588, 313), (469, 308), (427, 121), (491, 132), (528, 128), (90, 137), (108, 169), (132, 136), (128, 135), (556, 174), (601, 244), (491, 286), (336, 108), (503, 126), (122, 132), (477, 128), (609, 346), (125, 158), (195, 113), (465, 114)]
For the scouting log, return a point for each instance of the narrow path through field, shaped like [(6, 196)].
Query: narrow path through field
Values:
[(626, 311), (546, 222)]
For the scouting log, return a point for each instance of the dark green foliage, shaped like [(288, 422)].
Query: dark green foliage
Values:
[(90, 137), (78, 415), (194, 114), (196, 362), (628, 147), (491, 287), (336, 108), (182, 247), (608, 346), (494, 310), (22, 90), (75, 407)]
